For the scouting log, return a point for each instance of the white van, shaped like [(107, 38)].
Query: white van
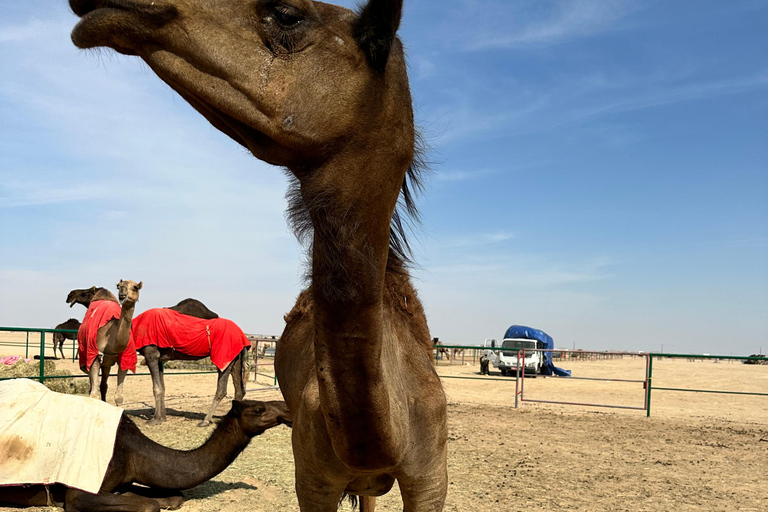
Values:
[(506, 360)]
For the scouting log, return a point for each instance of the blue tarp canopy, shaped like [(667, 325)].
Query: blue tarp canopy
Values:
[(547, 368)]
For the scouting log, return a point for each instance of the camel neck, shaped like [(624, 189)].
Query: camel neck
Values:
[(349, 263), (124, 327), (176, 469)]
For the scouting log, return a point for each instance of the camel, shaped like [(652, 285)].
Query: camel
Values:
[(322, 91), (84, 296), (162, 335), (164, 471), (112, 340), (59, 337)]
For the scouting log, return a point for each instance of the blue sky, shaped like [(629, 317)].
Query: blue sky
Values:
[(600, 173)]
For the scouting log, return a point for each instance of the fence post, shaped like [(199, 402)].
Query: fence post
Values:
[(42, 356), (26, 353), (649, 380)]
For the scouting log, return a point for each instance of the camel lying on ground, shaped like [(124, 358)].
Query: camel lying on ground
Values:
[(164, 471), (59, 337)]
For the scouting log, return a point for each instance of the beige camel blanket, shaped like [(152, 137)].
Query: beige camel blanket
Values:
[(48, 437)]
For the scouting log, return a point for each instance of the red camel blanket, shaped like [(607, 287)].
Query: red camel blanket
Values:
[(220, 338), (99, 313)]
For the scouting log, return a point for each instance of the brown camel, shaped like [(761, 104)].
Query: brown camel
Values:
[(59, 337), (111, 341), (322, 91), (139, 460), (84, 296), (161, 336)]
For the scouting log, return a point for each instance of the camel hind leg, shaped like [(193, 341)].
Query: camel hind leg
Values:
[(152, 356), (80, 501), (240, 374)]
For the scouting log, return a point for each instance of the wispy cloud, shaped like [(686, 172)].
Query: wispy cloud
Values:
[(14, 195), (547, 23)]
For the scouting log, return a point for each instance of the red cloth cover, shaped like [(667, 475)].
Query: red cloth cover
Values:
[(220, 338), (99, 313)]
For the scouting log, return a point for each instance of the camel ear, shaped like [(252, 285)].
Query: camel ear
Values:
[(138, 286), (237, 408), (93, 289), (375, 30)]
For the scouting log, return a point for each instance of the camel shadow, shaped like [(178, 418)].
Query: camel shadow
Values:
[(213, 487)]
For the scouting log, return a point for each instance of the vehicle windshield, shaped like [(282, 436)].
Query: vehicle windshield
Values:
[(519, 344)]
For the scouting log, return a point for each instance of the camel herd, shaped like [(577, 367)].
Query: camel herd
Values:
[(323, 92)]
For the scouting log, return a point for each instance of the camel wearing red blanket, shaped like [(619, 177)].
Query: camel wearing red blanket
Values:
[(162, 334), (104, 339)]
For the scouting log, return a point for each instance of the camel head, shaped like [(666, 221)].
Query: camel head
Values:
[(128, 291), (310, 86), (255, 416), (82, 296)]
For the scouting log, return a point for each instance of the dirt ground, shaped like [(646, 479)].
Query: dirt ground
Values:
[(697, 451)]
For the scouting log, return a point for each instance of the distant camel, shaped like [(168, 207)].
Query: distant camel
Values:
[(164, 471), (104, 339), (59, 337), (162, 334), (84, 296)]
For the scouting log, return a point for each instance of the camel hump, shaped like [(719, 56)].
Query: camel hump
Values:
[(194, 307), (103, 294)]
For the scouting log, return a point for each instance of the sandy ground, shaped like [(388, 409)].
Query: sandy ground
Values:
[(697, 451)]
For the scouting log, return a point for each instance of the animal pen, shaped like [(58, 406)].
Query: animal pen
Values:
[(644, 382), (259, 360)]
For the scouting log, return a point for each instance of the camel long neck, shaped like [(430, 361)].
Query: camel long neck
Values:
[(124, 327), (166, 468), (349, 261)]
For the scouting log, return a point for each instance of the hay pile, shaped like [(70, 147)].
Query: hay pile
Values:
[(32, 369)]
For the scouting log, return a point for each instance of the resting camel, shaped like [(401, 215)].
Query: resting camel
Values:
[(163, 335), (59, 337), (322, 91), (84, 296), (164, 471), (104, 339)]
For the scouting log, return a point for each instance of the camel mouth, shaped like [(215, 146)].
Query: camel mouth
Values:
[(99, 20), (83, 8)]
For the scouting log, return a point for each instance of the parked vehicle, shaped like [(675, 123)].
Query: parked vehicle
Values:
[(506, 360)]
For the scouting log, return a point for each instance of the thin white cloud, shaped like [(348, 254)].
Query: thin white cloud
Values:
[(562, 21)]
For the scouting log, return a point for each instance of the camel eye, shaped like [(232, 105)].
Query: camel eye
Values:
[(287, 16)]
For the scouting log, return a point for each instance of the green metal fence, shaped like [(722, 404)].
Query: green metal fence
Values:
[(658, 355), (42, 332)]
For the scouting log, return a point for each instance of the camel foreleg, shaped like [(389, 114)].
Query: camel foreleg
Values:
[(425, 492), (106, 368), (221, 392), (93, 376), (79, 501), (120, 381)]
